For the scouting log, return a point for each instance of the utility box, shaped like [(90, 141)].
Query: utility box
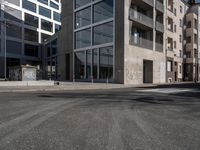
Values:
[(23, 73)]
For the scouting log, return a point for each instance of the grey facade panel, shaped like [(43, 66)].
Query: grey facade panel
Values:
[(15, 2), (119, 41)]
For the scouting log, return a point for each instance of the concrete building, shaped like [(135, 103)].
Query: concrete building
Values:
[(192, 47), (129, 42), (175, 36), (113, 40), (25, 24)]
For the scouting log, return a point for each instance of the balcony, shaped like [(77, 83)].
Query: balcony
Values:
[(190, 46), (134, 15), (159, 26), (159, 6), (159, 47), (149, 2), (191, 31), (141, 42), (190, 60)]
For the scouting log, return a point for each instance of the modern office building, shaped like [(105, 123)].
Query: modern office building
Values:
[(50, 57), (113, 40), (25, 24)]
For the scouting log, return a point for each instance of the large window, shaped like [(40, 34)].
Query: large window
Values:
[(57, 27), (14, 47), (83, 38), (96, 63), (31, 50), (80, 65), (44, 12), (29, 5), (83, 17), (103, 10), (31, 35), (54, 5), (54, 47), (88, 64), (44, 37), (56, 16), (43, 1), (106, 63), (46, 25), (13, 30), (103, 34), (31, 20), (79, 3)]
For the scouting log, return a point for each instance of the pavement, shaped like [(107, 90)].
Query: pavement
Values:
[(70, 86), (67, 86), (133, 118)]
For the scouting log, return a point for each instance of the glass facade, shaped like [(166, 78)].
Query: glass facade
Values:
[(103, 34), (51, 59), (29, 5), (44, 12), (56, 16), (28, 24), (96, 63), (106, 62), (46, 25), (103, 10), (80, 65), (83, 38), (79, 3), (13, 30), (30, 20), (83, 17), (94, 39), (31, 50), (31, 35)]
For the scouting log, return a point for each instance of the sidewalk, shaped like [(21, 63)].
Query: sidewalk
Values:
[(67, 86)]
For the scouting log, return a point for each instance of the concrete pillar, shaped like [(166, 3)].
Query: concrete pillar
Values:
[(154, 26)]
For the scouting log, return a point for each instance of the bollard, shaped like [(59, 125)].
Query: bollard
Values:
[(74, 79), (92, 80)]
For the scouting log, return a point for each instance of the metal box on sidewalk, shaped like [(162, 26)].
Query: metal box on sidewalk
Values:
[(23, 73)]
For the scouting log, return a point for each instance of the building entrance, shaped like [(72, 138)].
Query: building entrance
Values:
[(147, 71)]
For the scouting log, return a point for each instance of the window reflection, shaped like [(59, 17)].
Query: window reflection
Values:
[(80, 65)]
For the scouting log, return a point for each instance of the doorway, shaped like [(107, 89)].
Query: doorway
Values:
[(147, 71), (67, 58)]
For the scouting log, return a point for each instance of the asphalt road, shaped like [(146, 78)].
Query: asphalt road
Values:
[(121, 119)]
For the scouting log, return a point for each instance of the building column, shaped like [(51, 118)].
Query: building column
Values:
[(154, 26)]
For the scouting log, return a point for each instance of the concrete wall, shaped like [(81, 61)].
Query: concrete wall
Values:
[(119, 41), (134, 57), (65, 44)]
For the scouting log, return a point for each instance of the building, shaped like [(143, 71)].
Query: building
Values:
[(128, 42), (28, 24), (50, 57), (192, 47), (175, 36), (113, 40)]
